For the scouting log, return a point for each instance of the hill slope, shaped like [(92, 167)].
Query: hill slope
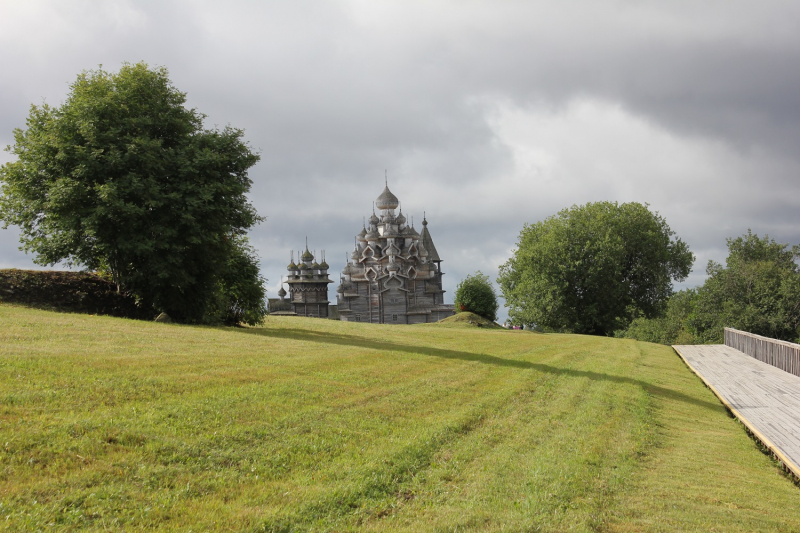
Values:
[(468, 319), (301, 424)]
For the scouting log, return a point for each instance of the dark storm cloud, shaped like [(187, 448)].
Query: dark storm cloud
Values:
[(487, 115)]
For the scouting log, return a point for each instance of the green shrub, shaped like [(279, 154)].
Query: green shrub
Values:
[(476, 294), (671, 328)]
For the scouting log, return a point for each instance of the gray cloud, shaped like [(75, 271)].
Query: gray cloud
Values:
[(487, 115)]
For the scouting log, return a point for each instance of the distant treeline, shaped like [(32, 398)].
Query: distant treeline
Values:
[(758, 290)]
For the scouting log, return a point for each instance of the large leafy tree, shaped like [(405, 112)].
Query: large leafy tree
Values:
[(593, 268), (758, 290), (122, 177)]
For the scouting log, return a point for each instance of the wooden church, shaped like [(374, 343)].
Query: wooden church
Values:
[(394, 275), (308, 288)]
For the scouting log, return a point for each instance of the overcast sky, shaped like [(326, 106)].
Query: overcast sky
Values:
[(487, 115)]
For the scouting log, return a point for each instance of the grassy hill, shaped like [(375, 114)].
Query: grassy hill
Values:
[(304, 424)]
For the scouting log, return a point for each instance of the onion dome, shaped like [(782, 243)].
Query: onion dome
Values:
[(324, 265), (372, 235), (401, 219), (315, 266), (387, 200), (362, 235), (291, 266), (303, 266), (348, 269), (411, 232), (308, 256), (282, 292), (373, 219), (340, 288), (354, 254)]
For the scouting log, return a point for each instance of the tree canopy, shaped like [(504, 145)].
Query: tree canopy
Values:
[(476, 294), (123, 178), (758, 290), (593, 268)]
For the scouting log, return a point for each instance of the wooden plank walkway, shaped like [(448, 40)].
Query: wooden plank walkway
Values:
[(764, 398)]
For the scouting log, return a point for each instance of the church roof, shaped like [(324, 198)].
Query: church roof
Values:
[(427, 242), (387, 200)]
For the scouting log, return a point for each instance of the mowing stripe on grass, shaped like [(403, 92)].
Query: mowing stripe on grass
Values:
[(308, 424)]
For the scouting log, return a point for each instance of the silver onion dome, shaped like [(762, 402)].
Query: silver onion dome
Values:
[(387, 200)]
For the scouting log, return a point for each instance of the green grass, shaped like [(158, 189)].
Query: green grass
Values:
[(319, 425)]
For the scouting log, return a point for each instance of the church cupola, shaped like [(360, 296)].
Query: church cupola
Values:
[(387, 200)]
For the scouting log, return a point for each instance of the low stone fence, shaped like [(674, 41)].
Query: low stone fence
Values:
[(67, 291), (780, 354)]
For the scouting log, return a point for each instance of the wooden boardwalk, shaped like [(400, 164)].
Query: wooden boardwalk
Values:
[(764, 398)]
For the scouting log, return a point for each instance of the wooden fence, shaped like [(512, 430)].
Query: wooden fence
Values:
[(780, 354)]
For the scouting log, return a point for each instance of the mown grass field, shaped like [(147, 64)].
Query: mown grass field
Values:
[(313, 425)]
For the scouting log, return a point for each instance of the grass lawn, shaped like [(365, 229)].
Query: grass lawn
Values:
[(319, 425)]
